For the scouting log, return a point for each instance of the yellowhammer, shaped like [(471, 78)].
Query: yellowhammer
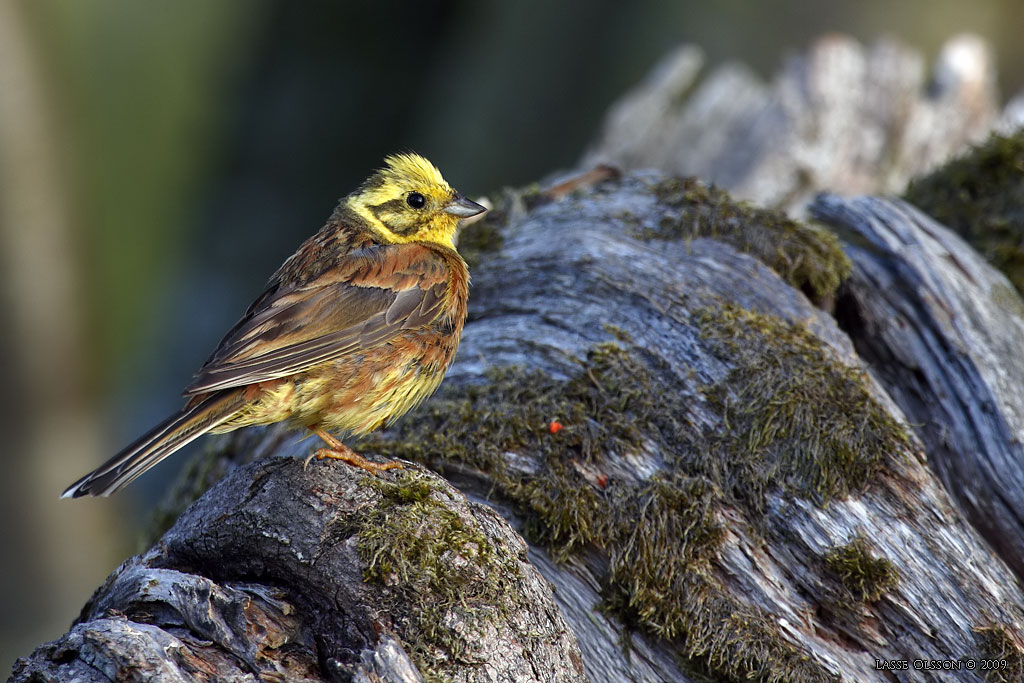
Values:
[(356, 328)]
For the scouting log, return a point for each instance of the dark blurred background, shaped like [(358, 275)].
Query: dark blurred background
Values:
[(159, 160)]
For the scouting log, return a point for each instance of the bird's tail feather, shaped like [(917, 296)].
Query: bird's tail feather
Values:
[(193, 421)]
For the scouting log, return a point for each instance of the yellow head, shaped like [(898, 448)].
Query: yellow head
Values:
[(409, 201)]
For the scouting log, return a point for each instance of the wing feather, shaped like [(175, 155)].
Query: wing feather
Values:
[(366, 299)]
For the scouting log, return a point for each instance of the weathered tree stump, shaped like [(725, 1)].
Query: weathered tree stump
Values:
[(263, 579)]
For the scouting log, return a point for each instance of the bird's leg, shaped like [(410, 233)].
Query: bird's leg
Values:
[(339, 451)]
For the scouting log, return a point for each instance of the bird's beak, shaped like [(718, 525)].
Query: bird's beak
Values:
[(463, 208)]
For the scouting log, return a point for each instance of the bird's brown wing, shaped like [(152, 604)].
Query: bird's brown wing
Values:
[(367, 298)]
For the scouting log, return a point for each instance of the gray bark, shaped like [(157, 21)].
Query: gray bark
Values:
[(944, 332), (262, 579)]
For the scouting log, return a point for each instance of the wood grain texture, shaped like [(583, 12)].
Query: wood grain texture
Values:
[(945, 332)]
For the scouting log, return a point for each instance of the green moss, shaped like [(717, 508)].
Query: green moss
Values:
[(981, 196), (807, 257), (532, 196), (795, 417), (662, 535), (483, 236), (438, 571), (617, 332), (607, 407), (661, 538), (998, 643), (864, 576)]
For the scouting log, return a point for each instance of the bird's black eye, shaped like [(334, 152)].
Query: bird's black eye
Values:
[(416, 200)]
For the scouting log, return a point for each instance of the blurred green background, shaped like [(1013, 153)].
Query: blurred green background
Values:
[(159, 160)]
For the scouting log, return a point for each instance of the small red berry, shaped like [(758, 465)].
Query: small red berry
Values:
[(555, 427)]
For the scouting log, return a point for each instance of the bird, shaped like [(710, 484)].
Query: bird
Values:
[(352, 331)]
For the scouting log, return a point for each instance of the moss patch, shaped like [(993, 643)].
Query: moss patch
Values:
[(445, 580), (483, 236), (792, 418), (981, 196), (863, 575), (807, 257), (1006, 658), (608, 407)]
